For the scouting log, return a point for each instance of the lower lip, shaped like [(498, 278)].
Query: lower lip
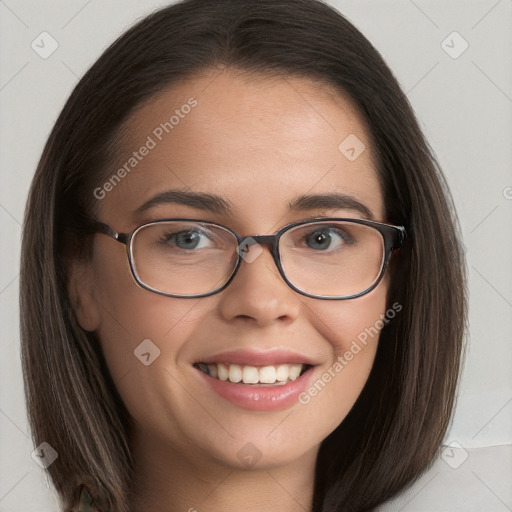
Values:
[(260, 398)]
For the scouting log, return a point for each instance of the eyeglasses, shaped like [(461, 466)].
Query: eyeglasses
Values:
[(324, 258)]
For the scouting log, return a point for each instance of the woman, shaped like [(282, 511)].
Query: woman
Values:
[(283, 327)]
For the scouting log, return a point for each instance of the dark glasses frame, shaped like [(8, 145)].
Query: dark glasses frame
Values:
[(392, 235)]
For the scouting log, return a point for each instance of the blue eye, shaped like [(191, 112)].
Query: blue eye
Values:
[(328, 237), (186, 239)]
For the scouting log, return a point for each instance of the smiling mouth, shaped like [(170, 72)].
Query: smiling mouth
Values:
[(270, 375)]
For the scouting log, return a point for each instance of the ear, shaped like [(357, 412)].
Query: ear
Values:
[(81, 291)]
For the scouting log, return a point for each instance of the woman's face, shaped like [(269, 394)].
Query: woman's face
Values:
[(258, 143)]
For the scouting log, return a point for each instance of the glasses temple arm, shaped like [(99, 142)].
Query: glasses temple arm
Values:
[(100, 227), (401, 236)]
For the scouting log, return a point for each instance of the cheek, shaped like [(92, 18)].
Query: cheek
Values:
[(355, 320), (352, 329), (136, 322)]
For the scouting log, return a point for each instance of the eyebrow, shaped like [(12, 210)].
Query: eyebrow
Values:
[(330, 201), (218, 205)]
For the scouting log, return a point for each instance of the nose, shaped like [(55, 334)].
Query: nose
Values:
[(258, 293)]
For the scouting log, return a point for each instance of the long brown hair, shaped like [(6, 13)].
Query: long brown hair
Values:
[(394, 430)]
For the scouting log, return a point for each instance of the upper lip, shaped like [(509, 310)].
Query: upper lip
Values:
[(257, 358)]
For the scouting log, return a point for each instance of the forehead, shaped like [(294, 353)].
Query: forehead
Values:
[(258, 141)]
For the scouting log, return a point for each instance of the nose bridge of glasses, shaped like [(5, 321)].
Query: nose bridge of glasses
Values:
[(260, 239), (268, 240), (245, 242)]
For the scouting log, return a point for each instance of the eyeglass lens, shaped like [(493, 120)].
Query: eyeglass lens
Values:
[(325, 258)]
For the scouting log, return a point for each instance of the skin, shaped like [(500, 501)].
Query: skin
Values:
[(259, 142)]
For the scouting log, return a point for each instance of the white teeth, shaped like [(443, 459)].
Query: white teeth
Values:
[(294, 371), (282, 372), (268, 375), (277, 375), (235, 373), (250, 375), (222, 371)]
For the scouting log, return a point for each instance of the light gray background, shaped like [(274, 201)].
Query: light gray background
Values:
[(464, 105)]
